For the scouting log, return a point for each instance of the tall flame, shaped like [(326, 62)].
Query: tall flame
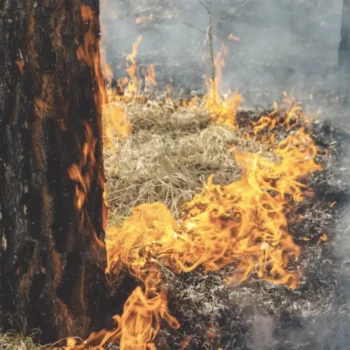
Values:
[(223, 110), (88, 52), (133, 85), (140, 322)]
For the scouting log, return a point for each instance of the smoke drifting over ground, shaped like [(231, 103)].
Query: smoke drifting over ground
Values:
[(283, 45)]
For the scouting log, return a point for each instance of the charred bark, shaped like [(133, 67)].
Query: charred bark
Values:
[(344, 46), (52, 214)]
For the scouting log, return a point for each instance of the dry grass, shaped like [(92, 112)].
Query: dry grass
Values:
[(168, 158), (13, 340)]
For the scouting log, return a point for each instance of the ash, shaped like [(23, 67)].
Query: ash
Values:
[(260, 316)]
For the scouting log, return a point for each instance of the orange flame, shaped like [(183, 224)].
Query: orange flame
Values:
[(323, 238), (212, 333), (20, 65), (150, 76), (133, 86), (90, 54), (138, 326), (144, 19), (233, 38), (186, 342), (241, 224), (82, 174), (222, 110), (115, 120)]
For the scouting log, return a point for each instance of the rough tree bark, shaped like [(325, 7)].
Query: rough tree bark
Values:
[(52, 214), (344, 46)]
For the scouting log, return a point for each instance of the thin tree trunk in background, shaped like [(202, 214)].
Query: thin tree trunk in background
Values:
[(344, 46), (52, 214)]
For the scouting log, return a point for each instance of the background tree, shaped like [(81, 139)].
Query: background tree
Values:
[(344, 46), (51, 170)]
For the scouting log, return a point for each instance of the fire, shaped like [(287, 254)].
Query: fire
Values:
[(323, 238), (242, 225), (144, 20), (212, 333), (130, 87), (150, 76), (20, 65), (140, 322), (89, 52), (133, 85), (233, 38), (82, 173), (115, 120), (185, 343), (223, 110)]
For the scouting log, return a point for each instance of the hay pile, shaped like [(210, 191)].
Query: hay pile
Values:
[(168, 158)]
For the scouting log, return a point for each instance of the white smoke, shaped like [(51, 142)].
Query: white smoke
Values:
[(262, 332), (287, 45)]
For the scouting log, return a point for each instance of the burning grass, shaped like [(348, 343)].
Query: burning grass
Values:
[(201, 198), (197, 189), (166, 160), (175, 153)]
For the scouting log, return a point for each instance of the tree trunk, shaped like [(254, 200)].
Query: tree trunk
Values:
[(344, 46), (52, 212)]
